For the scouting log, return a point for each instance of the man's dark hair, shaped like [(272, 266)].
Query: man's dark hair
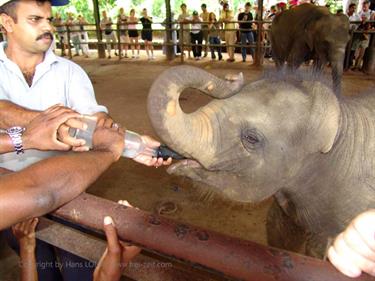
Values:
[(203, 6), (183, 5), (248, 4), (10, 8), (352, 5), (226, 5), (365, 2)]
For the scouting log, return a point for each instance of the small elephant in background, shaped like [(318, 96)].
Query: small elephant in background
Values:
[(311, 32)]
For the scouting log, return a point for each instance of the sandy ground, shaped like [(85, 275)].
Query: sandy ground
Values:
[(123, 88)]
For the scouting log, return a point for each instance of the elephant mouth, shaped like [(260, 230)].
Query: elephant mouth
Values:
[(184, 165)]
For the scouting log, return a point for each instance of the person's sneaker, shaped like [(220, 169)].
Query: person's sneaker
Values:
[(243, 60), (116, 54), (109, 57), (230, 60), (220, 57), (213, 57)]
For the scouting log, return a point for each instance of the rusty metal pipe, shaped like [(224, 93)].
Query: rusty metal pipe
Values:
[(232, 257)]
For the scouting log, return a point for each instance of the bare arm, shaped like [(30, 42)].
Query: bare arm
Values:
[(15, 115), (25, 234), (50, 183)]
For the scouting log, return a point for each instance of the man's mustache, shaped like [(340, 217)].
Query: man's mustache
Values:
[(46, 34)]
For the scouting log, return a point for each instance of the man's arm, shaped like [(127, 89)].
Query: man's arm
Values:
[(48, 184), (15, 115)]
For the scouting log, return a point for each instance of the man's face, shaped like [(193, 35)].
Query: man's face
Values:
[(247, 8), (183, 9), (32, 32), (204, 9), (366, 6), (352, 9)]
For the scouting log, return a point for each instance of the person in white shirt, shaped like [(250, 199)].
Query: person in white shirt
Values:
[(32, 77), (196, 35), (108, 33)]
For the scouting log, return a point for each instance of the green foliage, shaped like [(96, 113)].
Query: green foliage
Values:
[(334, 5), (158, 8)]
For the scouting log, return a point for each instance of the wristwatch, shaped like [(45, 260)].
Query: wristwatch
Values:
[(15, 134)]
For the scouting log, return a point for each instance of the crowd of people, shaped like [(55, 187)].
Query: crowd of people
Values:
[(361, 36), (41, 97), (199, 32)]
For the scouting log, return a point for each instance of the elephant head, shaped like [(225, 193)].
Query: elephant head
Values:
[(248, 142), (326, 37)]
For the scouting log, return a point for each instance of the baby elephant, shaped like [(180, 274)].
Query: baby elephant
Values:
[(311, 32), (293, 140)]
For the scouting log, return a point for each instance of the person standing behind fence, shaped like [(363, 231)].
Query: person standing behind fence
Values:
[(214, 37), (61, 33), (183, 20), (363, 42), (230, 33), (205, 18), (146, 34), (109, 35), (74, 33), (133, 33), (196, 35), (83, 36), (246, 33), (122, 20)]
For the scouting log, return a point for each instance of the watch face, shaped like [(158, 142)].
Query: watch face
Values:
[(15, 130)]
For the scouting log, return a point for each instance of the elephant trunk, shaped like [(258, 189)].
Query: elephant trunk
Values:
[(337, 63), (189, 134)]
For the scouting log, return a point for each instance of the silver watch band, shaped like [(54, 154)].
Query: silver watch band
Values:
[(15, 134)]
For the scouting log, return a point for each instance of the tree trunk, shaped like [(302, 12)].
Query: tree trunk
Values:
[(101, 49), (169, 47)]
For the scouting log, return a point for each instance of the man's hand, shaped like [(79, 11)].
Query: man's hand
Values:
[(116, 256), (43, 131), (353, 251), (146, 159), (108, 138), (25, 234)]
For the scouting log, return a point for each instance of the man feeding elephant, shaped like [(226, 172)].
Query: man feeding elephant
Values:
[(33, 77), (311, 32), (292, 140)]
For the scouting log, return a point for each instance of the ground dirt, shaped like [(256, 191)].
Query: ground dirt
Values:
[(123, 87)]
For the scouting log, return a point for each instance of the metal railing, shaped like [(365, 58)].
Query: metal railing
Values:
[(179, 29)]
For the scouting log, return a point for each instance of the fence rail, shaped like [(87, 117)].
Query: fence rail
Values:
[(258, 49)]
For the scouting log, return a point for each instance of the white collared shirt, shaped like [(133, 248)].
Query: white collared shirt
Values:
[(56, 80)]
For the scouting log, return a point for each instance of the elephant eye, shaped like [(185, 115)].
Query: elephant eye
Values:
[(251, 139)]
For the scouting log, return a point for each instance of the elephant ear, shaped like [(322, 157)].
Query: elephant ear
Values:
[(324, 118)]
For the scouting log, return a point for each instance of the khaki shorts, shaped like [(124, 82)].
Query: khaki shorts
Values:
[(124, 39)]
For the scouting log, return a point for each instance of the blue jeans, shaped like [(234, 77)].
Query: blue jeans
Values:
[(67, 267), (247, 37), (215, 41)]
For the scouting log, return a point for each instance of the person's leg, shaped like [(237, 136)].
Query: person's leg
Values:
[(192, 41), (108, 43), (151, 48), (115, 42), (75, 40), (85, 43), (250, 38), (218, 42), (200, 41), (212, 42), (243, 43), (226, 38), (232, 42), (47, 266), (74, 267), (132, 46), (147, 49)]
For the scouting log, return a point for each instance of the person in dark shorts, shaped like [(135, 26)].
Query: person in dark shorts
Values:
[(146, 34), (133, 33)]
